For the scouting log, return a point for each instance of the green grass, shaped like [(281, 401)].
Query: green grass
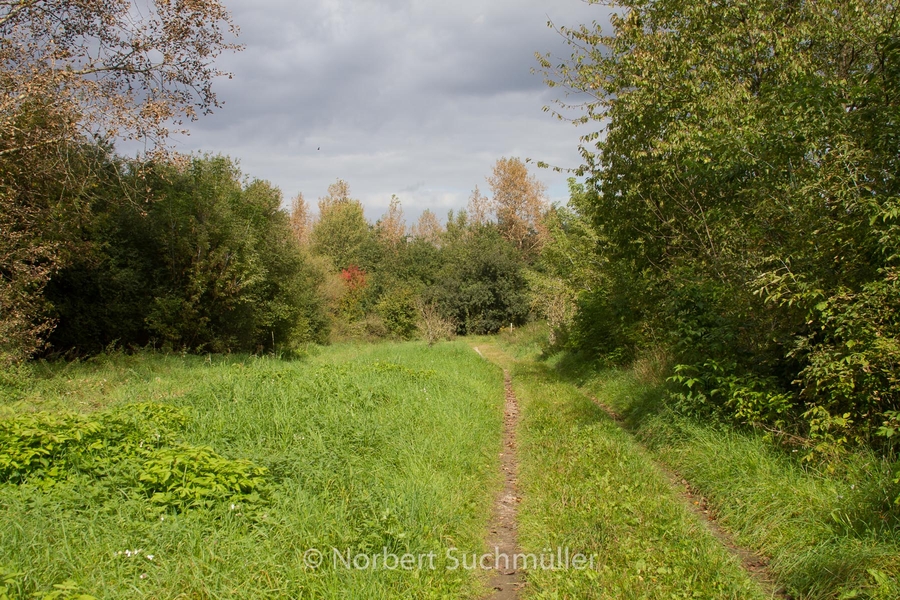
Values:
[(831, 531), (587, 486), (367, 447), (395, 446)]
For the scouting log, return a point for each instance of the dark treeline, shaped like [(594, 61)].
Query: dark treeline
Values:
[(183, 256)]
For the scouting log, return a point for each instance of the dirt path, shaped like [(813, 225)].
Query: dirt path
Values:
[(505, 583), (503, 524)]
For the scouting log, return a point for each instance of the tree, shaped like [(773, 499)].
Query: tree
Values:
[(481, 285), (744, 159), (338, 192), (568, 267), (39, 211), (391, 228), (210, 272), (478, 210), (341, 232), (398, 312), (356, 284), (428, 228), (519, 203), (114, 68), (301, 220), (208, 265), (74, 74)]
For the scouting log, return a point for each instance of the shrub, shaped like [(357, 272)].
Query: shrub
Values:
[(432, 325), (398, 312), (45, 449)]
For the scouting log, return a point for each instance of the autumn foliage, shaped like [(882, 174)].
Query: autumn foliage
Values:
[(354, 278)]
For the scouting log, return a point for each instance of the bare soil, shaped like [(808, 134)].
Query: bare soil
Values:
[(503, 527)]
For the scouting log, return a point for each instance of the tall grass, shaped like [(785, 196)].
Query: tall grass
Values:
[(368, 447)]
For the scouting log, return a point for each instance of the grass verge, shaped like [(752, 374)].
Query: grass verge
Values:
[(831, 531)]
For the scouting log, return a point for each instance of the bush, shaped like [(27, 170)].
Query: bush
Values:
[(398, 313), (432, 326), (481, 286), (207, 264)]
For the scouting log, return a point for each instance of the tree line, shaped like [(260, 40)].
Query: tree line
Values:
[(465, 276), (185, 253), (739, 210), (188, 254)]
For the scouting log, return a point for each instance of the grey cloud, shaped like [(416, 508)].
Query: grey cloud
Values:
[(412, 97)]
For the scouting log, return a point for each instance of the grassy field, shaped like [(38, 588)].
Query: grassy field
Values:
[(255, 462), (831, 530)]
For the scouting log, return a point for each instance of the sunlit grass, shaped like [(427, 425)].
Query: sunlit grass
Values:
[(368, 447), (588, 487)]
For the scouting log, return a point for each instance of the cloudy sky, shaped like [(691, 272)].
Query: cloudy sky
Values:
[(417, 98)]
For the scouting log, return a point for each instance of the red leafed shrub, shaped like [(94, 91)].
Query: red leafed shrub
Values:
[(354, 278)]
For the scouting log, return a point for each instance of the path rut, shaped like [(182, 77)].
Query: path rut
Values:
[(505, 583), (755, 565), (503, 530)]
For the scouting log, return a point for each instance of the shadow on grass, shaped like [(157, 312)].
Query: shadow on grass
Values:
[(632, 400)]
